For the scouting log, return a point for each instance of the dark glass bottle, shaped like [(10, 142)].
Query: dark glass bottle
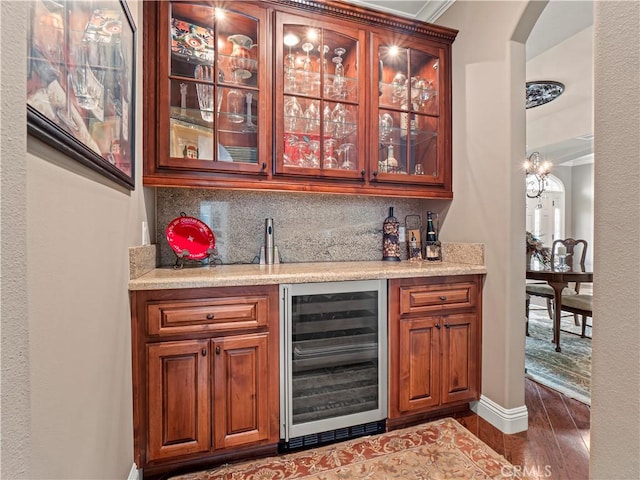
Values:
[(433, 251), (390, 240)]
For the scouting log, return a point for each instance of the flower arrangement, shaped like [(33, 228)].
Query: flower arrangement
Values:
[(536, 249)]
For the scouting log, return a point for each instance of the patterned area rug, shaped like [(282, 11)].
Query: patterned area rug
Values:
[(442, 450), (569, 371)]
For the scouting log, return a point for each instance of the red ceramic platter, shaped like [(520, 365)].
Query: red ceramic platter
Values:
[(190, 238)]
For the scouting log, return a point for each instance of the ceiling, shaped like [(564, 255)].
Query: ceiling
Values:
[(560, 48)]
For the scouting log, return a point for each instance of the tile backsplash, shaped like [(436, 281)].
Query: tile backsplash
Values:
[(308, 227)]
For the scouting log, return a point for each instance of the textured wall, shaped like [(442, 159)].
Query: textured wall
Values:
[(615, 391), (308, 227)]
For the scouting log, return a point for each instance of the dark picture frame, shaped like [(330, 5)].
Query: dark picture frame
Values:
[(81, 58)]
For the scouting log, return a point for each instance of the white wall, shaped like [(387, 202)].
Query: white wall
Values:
[(488, 184), (582, 207), (66, 355), (615, 391)]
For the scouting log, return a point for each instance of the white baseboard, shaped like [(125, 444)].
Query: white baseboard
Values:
[(134, 473), (508, 421)]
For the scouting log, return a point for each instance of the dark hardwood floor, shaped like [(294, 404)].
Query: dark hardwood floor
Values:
[(556, 445)]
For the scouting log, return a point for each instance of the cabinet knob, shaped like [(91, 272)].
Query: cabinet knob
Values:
[(446, 325), (204, 352), (210, 316), (443, 298), (438, 326), (217, 350), (362, 172), (264, 165), (375, 173)]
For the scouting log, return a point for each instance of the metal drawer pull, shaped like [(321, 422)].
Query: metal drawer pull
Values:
[(204, 352), (210, 316), (217, 350), (443, 298)]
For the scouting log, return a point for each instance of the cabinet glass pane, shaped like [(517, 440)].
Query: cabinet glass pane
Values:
[(424, 82), (393, 70), (315, 137), (408, 143), (319, 63), (192, 38)]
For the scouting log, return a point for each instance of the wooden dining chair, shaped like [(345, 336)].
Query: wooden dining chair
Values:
[(580, 304), (576, 255)]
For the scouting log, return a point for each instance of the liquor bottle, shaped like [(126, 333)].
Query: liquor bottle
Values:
[(390, 240), (432, 244)]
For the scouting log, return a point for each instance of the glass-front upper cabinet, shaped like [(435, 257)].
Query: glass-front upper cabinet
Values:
[(411, 136), (214, 84), (319, 85)]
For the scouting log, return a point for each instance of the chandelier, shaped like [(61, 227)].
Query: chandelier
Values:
[(537, 171)]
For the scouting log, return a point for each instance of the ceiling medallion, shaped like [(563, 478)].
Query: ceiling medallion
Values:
[(539, 93)]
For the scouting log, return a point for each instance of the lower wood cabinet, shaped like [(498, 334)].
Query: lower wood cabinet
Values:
[(435, 330), (205, 375)]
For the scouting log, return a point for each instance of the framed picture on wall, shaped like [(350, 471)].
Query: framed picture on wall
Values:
[(80, 82)]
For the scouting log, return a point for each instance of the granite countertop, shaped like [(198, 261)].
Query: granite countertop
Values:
[(239, 275)]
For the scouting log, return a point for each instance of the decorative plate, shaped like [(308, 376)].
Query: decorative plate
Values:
[(190, 238)]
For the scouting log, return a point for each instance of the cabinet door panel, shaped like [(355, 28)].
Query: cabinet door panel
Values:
[(241, 390), (178, 390), (459, 358), (419, 363)]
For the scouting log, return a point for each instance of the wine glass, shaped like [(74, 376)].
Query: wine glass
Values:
[(324, 49), (328, 124), (290, 39), (307, 68), (313, 154), (386, 126), (249, 126), (312, 117), (344, 152), (399, 83), (330, 160), (343, 122), (339, 82), (292, 113)]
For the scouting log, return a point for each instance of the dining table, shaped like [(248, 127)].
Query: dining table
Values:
[(558, 278)]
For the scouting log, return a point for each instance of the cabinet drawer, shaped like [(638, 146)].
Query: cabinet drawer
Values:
[(207, 315), (435, 298)]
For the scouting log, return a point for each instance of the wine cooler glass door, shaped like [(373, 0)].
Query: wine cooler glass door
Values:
[(334, 356)]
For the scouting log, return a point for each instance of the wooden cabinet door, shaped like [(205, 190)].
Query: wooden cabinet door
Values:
[(460, 362), (178, 398), (241, 390), (419, 364), (320, 82)]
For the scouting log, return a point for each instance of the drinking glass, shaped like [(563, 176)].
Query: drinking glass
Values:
[(235, 106), (249, 126), (312, 117), (345, 151), (399, 83), (313, 154), (339, 82), (307, 68), (330, 160), (343, 121), (205, 92), (386, 126), (292, 113), (290, 150)]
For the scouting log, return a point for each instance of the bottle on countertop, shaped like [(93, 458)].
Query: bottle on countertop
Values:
[(433, 250), (390, 238)]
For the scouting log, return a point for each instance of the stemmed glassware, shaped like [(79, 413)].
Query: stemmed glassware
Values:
[(249, 126), (290, 40), (386, 126), (324, 49), (205, 92), (343, 123), (307, 68), (290, 150), (292, 112), (330, 160), (339, 82), (345, 150), (312, 117)]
